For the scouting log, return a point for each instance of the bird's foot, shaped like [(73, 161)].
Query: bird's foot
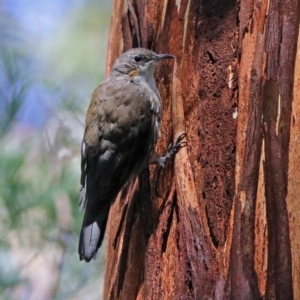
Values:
[(161, 161), (172, 149)]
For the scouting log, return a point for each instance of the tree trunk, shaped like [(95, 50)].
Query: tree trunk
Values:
[(227, 224)]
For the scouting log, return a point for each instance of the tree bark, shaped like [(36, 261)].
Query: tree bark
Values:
[(227, 224)]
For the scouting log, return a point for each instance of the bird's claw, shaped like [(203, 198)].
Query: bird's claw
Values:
[(173, 149), (180, 143)]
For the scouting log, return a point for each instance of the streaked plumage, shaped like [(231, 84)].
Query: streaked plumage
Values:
[(121, 131)]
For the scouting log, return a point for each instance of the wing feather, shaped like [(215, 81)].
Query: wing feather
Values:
[(115, 147)]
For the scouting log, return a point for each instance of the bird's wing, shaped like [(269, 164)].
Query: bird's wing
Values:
[(119, 128)]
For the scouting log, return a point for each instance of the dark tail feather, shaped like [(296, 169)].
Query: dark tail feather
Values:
[(91, 235)]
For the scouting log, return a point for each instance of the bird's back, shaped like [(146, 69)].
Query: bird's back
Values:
[(122, 128)]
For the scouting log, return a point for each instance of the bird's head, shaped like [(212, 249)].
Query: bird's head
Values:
[(138, 61)]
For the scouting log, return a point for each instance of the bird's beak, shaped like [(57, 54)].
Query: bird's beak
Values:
[(163, 56)]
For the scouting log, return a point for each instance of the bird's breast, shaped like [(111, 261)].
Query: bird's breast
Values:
[(147, 84)]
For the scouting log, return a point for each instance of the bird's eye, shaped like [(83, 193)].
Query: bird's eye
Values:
[(137, 58)]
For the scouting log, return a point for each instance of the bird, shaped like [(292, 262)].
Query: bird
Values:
[(122, 126)]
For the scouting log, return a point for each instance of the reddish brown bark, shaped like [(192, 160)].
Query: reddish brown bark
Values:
[(227, 225)]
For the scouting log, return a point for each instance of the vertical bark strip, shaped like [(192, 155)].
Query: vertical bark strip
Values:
[(244, 281), (293, 194), (217, 34), (281, 41), (227, 224)]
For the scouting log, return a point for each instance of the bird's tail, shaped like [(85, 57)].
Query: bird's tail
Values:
[(91, 235)]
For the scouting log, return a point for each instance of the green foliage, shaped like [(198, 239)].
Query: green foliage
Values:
[(40, 168), (13, 86), (13, 190)]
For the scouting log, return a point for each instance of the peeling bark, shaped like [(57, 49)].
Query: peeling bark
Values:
[(227, 225)]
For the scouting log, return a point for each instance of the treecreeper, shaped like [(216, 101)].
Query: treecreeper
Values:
[(123, 124)]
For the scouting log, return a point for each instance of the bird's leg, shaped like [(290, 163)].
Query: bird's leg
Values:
[(172, 149), (161, 160)]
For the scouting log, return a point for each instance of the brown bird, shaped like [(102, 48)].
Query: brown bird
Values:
[(121, 131)]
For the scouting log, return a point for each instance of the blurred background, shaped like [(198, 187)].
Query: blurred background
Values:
[(52, 57)]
